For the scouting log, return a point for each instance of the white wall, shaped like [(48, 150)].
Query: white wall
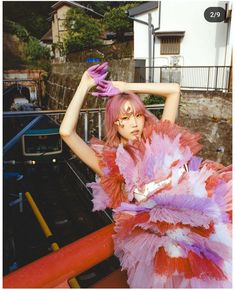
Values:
[(204, 43)]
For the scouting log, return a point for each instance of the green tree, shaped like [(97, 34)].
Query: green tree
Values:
[(103, 6), (117, 20), (30, 14), (82, 31), (35, 54), (34, 50), (17, 29)]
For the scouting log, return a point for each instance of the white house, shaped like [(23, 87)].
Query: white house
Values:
[(182, 44)]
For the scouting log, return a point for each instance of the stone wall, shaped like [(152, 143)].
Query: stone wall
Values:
[(211, 114), (207, 112), (65, 78)]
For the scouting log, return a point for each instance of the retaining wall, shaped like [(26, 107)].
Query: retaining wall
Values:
[(207, 112)]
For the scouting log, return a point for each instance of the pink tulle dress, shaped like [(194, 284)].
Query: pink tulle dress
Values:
[(172, 210)]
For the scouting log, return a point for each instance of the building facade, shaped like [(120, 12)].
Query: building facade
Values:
[(177, 34)]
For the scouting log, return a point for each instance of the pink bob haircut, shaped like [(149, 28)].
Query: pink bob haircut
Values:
[(115, 107)]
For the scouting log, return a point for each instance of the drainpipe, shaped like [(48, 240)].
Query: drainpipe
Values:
[(151, 31), (154, 37), (226, 43), (150, 46)]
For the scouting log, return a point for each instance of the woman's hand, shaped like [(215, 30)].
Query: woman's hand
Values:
[(97, 73), (109, 88), (94, 75)]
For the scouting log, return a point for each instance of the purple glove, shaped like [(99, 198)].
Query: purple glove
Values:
[(98, 72), (106, 89)]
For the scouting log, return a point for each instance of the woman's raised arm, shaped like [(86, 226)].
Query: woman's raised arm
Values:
[(171, 91), (68, 128)]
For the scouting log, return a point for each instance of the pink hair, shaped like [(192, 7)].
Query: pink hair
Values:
[(113, 109)]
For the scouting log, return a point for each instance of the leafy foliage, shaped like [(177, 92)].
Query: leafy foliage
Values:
[(34, 50), (153, 100), (30, 14), (82, 31), (17, 29), (103, 6), (116, 20), (35, 54)]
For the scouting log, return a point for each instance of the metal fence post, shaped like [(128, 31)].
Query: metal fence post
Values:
[(86, 126), (99, 125)]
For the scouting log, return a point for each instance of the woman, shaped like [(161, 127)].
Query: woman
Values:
[(172, 211)]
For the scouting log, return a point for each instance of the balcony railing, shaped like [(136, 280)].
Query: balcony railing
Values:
[(189, 77)]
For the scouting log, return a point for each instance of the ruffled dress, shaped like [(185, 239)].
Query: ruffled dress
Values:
[(172, 210)]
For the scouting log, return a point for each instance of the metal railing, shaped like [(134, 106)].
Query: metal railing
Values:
[(90, 122), (189, 77), (55, 269)]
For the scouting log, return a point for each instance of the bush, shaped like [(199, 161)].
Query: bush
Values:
[(34, 53), (18, 30), (116, 20), (34, 50), (82, 31), (152, 100)]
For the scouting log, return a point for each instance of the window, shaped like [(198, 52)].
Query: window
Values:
[(170, 45), (170, 42)]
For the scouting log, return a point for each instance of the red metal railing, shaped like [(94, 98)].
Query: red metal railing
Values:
[(58, 267)]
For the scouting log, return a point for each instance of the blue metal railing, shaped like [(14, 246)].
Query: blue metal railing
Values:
[(16, 138)]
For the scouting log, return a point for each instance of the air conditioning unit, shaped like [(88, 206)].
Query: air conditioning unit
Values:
[(175, 60), (170, 75)]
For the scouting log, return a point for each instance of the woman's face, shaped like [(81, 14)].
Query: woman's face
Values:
[(130, 124)]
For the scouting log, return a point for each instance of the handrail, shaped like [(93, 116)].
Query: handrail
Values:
[(58, 112), (39, 114), (188, 77), (185, 66), (15, 139), (70, 261)]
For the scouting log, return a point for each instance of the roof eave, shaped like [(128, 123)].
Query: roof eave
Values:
[(145, 7)]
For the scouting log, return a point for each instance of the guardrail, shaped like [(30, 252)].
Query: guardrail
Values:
[(90, 123), (189, 77), (55, 269)]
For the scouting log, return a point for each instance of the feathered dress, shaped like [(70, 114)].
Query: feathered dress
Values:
[(172, 211)]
